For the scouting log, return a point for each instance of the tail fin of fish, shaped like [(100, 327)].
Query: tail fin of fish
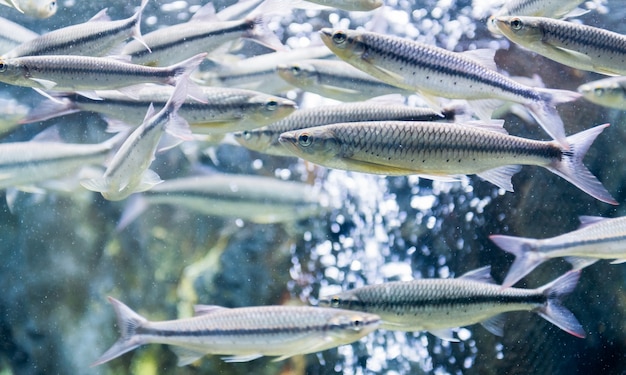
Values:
[(259, 19), (127, 321), (553, 311), (183, 70), (137, 29), (526, 257), (546, 114), (54, 107), (571, 166)]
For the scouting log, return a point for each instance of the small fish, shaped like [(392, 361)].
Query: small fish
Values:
[(257, 199), (128, 172), (350, 5), (336, 80), (437, 150), (265, 139), (243, 334), (438, 305), (13, 34), (537, 8), (572, 44), (607, 92), (85, 74), (433, 71), (95, 37), (597, 238), (33, 8)]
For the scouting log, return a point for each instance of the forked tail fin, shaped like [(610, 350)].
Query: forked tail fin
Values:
[(553, 311)]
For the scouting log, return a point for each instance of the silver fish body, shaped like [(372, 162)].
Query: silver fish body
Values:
[(93, 38), (608, 92), (442, 150), (597, 238), (13, 34), (265, 139), (539, 8), (437, 305), (33, 8), (244, 333), (350, 5), (572, 44), (436, 72)]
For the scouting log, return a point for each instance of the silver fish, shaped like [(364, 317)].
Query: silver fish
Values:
[(84, 73), (433, 71), (351, 5), (438, 305), (258, 199), (33, 8), (438, 150), (336, 80), (265, 139), (572, 44), (607, 92), (542, 8), (244, 333), (96, 37), (597, 238), (13, 34), (128, 172)]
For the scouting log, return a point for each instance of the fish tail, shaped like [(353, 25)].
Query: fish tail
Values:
[(55, 107), (259, 18), (553, 311), (526, 256), (127, 321), (571, 166), (178, 126), (545, 112), (137, 28), (185, 68)]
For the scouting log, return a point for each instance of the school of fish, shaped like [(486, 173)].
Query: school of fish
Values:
[(155, 92)]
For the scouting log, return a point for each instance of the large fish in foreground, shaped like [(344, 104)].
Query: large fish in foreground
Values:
[(572, 44), (438, 305), (243, 334), (597, 238), (440, 150), (435, 72)]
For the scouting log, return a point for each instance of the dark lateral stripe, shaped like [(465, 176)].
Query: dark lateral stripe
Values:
[(583, 35), (35, 162), (224, 197), (443, 66), (213, 33), (585, 242)]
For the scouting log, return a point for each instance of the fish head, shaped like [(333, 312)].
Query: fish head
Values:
[(348, 325), (299, 74), (12, 73), (268, 109), (347, 44), (317, 144), (609, 92), (256, 139), (345, 300), (39, 8), (520, 28)]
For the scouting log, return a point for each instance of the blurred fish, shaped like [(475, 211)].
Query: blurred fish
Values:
[(128, 172), (436, 150), (336, 80), (202, 33), (238, 10), (433, 71), (354, 5), (572, 44), (265, 139), (33, 8), (95, 37), (85, 74), (258, 199), (221, 109), (11, 114), (244, 333), (438, 305), (597, 238), (13, 34), (608, 92), (542, 8)]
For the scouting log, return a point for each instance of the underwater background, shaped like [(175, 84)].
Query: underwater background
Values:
[(61, 254)]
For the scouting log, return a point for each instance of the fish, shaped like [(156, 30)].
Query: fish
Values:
[(542, 8), (221, 109), (597, 238), (336, 80), (258, 199), (202, 33), (433, 71), (13, 34), (265, 139), (572, 44), (243, 334), (128, 172), (12, 113), (86, 74), (439, 305), (350, 5), (608, 92), (96, 37), (33, 8), (444, 150)]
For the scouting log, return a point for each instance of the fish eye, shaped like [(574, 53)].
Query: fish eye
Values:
[(339, 37), (357, 324), (599, 91), (2, 67), (295, 70), (305, 140), (271, 105), (334, 302), (246, 134), (516, 24)]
